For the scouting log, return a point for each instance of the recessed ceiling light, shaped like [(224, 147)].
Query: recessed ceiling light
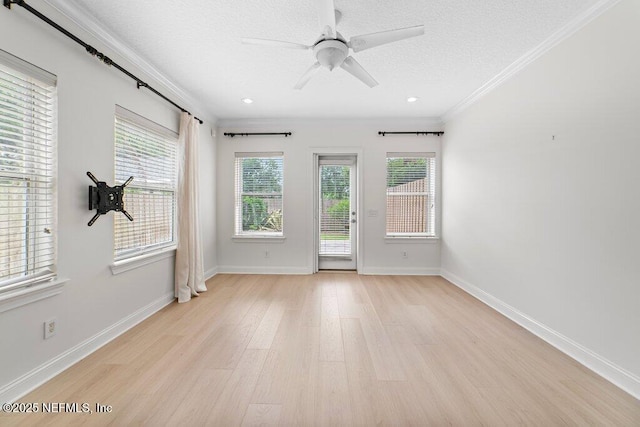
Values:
[(412, 99), (247, 100)]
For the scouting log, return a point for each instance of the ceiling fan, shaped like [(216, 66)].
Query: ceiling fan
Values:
[(331, 49)]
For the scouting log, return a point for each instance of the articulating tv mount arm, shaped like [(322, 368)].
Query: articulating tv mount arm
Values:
[(104, 198)]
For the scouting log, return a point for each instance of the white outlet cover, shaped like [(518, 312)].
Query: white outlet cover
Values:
[(50, 330)]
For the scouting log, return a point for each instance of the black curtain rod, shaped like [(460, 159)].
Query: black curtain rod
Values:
[(438, 133), (93, 51), (286, 134)]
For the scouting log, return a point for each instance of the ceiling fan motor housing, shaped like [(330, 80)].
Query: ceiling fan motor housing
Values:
[(331, 53)]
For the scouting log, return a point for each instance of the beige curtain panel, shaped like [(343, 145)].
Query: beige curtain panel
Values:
[(189, 274)]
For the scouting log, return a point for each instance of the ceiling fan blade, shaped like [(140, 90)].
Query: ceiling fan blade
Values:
[(307, 76), (327, 17), (274, 43), (351, 66), (367, 41)]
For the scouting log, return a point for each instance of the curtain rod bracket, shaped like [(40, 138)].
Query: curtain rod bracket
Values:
[(8, 3)]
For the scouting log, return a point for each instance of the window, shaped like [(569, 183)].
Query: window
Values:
[(411, 194), (258, 207), (27, 173), (146, 151)]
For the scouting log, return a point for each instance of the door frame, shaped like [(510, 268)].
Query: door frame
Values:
[(314, 234)]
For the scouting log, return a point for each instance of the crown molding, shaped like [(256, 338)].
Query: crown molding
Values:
[(434, 123), (79, 16), (562, 34)]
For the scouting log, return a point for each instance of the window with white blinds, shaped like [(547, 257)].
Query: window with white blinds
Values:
[(27, 173), (258, 185), (146, 151), (411, 184)]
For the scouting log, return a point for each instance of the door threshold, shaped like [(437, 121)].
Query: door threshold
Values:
[(339, 271)]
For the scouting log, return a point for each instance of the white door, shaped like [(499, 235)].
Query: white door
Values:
[(336, 198)]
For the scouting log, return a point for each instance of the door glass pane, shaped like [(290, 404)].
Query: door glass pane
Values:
[(335, 210)]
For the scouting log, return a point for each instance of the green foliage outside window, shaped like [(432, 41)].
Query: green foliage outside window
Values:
[(340, 210), (254, 213)]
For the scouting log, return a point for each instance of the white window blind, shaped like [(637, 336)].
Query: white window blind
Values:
[(335, 207), (27, 173), (411, 194), (146, 151), (258, 185)]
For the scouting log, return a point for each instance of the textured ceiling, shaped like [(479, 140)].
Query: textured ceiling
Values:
[(196, 45)]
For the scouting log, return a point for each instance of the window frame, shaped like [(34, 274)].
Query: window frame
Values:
[(238, 233), (431, 192), (43, 178), (146, 252)]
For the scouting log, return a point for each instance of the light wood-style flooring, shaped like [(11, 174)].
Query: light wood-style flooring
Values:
[(331, 349)]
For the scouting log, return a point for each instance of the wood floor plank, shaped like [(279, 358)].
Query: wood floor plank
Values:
[(388, 309), (299, 406), (259, 414), (349, 294), (363, 385), (281, 370), (331, 346), (333, 406), (263, 336), (331, 349), (231, 406), (312, 305), (207, 390), (383, 355), (420, 379)]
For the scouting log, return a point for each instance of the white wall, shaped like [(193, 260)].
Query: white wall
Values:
[(550, 227), (295, 254), (207, 177), (93, 299)]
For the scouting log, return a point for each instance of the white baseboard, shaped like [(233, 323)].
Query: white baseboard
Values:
[(598, 364), (399, 271), (210, 273), (237, 269), (38, 376), (384, 271)]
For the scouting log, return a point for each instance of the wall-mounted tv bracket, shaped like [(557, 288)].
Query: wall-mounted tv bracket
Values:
[(104, 198)]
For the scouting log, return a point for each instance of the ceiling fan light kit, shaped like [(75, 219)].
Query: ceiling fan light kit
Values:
[(331, 53), (331, 50)]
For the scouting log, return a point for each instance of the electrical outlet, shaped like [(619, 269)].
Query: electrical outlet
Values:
[(50, 328), (405, 254)]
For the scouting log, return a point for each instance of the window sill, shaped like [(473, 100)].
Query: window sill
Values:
[(134, 262), (337, 257), (258, 239), (36, 292), (431, 240)]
